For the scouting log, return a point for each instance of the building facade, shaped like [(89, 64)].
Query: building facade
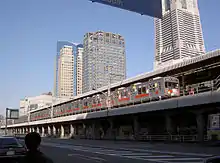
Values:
[(104, 59), (31, 103), (65, 82), (178, 34), (79, 68)]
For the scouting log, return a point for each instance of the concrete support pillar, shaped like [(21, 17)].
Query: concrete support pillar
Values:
[(72, 131), (84, 130), (200, 126), (62, 131), (42, 133), (183, 84), (38, 130), (49, 130), (136, 128), (93, 131), (33, 129), (54, 131), (111, 133), (169, 125)]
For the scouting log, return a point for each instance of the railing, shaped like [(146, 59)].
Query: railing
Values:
[(172, 138)]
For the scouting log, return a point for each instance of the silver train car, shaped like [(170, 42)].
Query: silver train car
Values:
[(155, 89)]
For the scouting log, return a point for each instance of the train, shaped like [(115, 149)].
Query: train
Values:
[(154, 89)]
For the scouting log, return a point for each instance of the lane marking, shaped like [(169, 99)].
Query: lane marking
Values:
[(137, 154), (90, 158), (154, 151), (159, 156), (147, 158), (176, 159)]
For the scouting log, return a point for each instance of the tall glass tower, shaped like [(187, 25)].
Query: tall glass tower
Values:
[(65, 82)]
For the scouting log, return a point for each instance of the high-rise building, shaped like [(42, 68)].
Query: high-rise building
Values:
[(79, 68), (66, 69), (178, 35), (104, 59)]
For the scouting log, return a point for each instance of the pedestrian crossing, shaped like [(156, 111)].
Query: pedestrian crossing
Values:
[(138, 154)]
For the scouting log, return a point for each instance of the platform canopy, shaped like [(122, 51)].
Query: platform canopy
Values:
[(151, 8)]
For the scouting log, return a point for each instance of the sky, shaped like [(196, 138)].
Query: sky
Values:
[(30, 29)]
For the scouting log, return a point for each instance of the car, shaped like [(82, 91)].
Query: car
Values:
[(11, 150)]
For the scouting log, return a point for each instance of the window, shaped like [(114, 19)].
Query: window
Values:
[(143, 90), (9, 142), (139, 90), (184, 5)]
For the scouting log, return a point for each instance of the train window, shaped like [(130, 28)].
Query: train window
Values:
[(93, 100), (134, 88), (139, 90), (124, 93), (77, 104), (171, 85), (98, 100), (86, 103), (70, 105), (143, 90)]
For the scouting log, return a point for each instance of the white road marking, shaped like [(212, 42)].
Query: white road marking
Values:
[(96, 159), (155, 151), (131, 154), (137, 154), (158, 156)]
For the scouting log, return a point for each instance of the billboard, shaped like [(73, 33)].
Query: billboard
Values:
[(12, 113), (151, 8)]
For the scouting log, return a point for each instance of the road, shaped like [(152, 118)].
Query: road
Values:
[(92, 151)]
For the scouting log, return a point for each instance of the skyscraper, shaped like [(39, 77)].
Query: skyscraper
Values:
[(79, 68), (66, 69), (104, 59), (178, 34)]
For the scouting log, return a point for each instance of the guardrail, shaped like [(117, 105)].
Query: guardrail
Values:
[(172, 138)]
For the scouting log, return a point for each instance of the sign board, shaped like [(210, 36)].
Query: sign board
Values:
[(151, 8), (12, 113)]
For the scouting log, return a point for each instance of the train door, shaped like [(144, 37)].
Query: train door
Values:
[(76, 106), (171, 87), (94, 102), (124, 96), (115, 98), (136, 93), (69, 108), (99, 101), (85, 104), (80, 104)]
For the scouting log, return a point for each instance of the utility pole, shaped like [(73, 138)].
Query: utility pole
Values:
[(6, 121)]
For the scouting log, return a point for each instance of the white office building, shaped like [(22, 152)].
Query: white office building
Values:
[(66, 69), (79, 70), (104, 59), (178, 34), (31, 103)]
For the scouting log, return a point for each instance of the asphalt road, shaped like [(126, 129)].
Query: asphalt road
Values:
[(61, 151)]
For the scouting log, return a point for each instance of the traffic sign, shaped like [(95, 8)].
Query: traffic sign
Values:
[(12, 113), (151, 8)]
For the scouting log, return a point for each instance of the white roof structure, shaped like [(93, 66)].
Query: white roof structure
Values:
[(187, 62)]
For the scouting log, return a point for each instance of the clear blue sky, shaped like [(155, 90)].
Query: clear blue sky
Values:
[(30, 29)]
